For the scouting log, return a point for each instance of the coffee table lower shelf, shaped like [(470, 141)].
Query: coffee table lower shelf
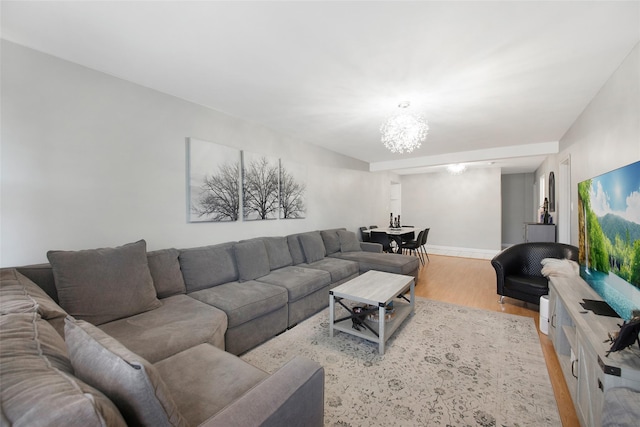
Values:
[(402, 311)]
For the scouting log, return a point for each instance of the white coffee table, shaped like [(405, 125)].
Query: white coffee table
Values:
[(375, 288)]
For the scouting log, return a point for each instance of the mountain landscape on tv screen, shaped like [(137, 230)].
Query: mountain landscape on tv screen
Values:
[(613, 225)]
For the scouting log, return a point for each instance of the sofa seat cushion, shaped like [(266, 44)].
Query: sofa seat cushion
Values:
[(298, 281), (243, 301), (533, 285), (339, 269), (38, 387), (391, 263), (101, 285), (180, 323), (130, 381), (203, 380)]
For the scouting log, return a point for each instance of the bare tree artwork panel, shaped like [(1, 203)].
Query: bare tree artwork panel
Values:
[(213, 182), (293, 187), (259, 187)]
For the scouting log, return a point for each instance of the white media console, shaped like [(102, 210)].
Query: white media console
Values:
[(579, 337)]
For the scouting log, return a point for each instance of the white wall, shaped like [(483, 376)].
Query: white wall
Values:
[(517, 190), (606, 135), (89, 160), (463, 211)]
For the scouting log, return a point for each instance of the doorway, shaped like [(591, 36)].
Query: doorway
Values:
[(564, 201)]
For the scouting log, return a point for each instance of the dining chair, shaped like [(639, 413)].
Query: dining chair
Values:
[(424, 242), (413, 246), (382, 238), (366, 237), (409, 236)]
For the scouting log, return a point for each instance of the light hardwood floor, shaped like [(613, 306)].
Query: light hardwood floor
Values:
[(472, 282)]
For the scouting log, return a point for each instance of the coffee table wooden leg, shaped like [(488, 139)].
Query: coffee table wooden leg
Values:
[(412, 292), (332, 313), (382, 311)]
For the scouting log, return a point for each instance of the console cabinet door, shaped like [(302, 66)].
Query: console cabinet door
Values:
[(553, 324), (590, 397)]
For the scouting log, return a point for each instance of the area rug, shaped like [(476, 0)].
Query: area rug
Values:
[(446, 365)]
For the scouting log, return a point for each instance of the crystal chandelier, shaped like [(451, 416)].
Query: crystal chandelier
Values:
[(404, 131), (456, 169)]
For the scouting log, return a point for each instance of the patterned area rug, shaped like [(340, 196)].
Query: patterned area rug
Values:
[(446, 365)]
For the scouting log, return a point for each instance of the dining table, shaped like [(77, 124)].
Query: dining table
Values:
[(396, 234)]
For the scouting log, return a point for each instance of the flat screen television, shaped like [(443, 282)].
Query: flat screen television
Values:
[(609, 237)]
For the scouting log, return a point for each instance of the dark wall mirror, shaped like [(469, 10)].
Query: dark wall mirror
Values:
[(552, 192)]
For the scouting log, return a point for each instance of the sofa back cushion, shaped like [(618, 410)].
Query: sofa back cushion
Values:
[(348, 241), (41, 275), (130, 381), (101, 285), (312, 246), (331, 241), (165, 271), (278, 252), (38, 387), (18, 294), (208, 266), (253, 261), (295, 249)]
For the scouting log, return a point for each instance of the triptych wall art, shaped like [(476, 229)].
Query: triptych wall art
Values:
[(225, 184)]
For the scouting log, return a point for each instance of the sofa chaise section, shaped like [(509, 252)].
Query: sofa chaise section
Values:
[(201, 386), (368, 256)]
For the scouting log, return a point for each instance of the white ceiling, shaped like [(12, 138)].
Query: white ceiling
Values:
[(498, 82)]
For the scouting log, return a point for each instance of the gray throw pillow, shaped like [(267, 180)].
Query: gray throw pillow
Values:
[(101, 285), (165, 271), (130, 381), (348, 241), (278, 251), (331, 241), (312, 246), (252, 259)]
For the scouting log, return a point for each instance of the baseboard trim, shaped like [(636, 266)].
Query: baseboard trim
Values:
[(461, 252)]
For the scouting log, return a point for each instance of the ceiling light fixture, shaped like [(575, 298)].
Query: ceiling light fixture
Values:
[(456, 169), (404, 132)]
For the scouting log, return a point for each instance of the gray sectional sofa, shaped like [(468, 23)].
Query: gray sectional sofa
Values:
[(122, 336)]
